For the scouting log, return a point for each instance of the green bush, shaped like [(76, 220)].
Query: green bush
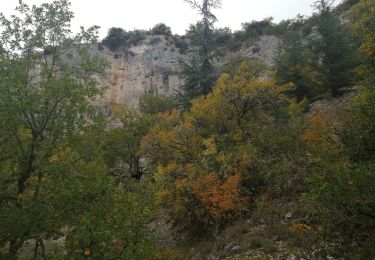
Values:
[(135, 37), (118, 37), (151, 103), (161, 29), (222, 35), (115, 39), (181, 44), (258, 28)]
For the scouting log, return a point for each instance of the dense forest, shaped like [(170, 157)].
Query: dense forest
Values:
[(245, 161)]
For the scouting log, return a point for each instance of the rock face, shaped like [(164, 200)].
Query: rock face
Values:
[(266, 49), (152, 66)]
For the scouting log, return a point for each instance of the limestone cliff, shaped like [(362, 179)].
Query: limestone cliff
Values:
[(152, 66)]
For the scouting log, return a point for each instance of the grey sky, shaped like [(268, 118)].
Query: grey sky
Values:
[(143, 14)]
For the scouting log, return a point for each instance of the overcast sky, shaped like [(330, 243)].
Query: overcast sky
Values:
[(143, 14)]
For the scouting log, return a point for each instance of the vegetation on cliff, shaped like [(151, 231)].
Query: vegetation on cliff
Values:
[(246, 165)]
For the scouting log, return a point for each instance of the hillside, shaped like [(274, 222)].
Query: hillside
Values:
[(216, 144)]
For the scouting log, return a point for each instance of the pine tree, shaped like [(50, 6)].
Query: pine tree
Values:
[(199, 73), (334, 50)]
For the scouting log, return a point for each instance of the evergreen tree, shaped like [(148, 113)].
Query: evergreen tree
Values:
[(334, 50), (321, 64), (295, 64), (199, 73)]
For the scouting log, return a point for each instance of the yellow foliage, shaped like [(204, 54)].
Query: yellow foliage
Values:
[(64, 155), (245, 162), (319, 135), (300, 228), (25, 133), (168, 253), (87, 252), (210, 147), (202, 157), (364, 23)]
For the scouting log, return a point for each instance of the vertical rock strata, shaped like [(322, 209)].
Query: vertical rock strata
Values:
[(152, 66)]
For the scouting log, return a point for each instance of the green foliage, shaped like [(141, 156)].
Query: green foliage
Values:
[(198, 80), (54, 175), (41, 110), (348, 196), (116, 226), (118, 37), (181, 44), (295, 64), (194, 33), (121, 148), (206, 159), (358, 128), (335, 50), (151, 103), (222, 35), (363, 29), (244, 148), (135, 37), (199, 73), (115, 39), (321, 65), (341, 164), (161, 29), (257, 28)]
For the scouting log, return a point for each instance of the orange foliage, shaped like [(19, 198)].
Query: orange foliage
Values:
[(203, 156), (300, 228), (221, 198)]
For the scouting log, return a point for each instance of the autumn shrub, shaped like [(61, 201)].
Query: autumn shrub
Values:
[(168, 253), (206, 160), (341, 176)]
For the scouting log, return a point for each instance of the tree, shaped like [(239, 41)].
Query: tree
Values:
[(152, 103), (121, 146), (363, 28), (205, 160), (44, 100), (323, 5), (52, 170), (323, 64), (199, 73), (340, 165), (118, 37), (161, 29), (296, 64), (258, 28), (334, 50), (115, 39)]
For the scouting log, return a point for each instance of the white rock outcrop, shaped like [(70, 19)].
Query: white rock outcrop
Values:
[(153, 65)]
